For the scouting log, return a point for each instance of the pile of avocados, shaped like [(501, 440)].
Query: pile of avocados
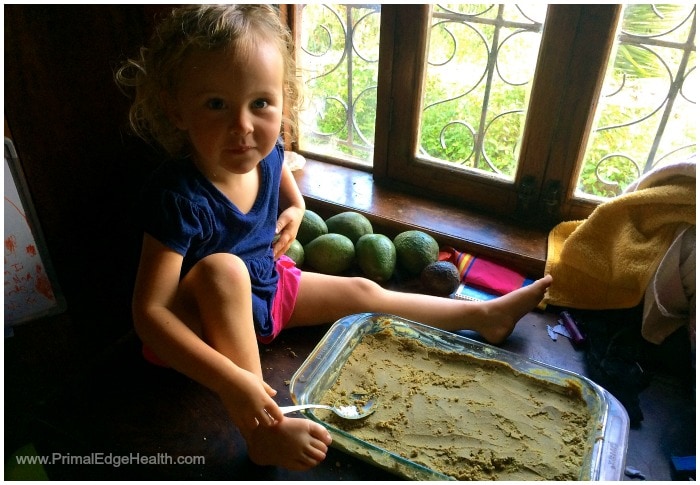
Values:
[(347, 242)]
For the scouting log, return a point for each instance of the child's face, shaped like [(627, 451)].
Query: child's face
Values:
[(230, 108)]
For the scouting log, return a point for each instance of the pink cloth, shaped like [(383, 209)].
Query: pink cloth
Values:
[(482, 273), (285, 298)]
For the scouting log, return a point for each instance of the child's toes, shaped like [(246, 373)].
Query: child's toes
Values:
[(320, 433), (316, 454)]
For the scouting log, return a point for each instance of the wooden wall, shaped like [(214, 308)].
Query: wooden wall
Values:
[(68, 119)]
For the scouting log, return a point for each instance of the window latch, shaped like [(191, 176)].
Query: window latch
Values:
[(551, 200), (526, 197)]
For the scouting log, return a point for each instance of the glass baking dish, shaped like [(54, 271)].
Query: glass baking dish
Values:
[(607, 443)]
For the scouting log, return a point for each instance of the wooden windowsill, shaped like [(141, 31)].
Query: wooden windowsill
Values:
[(329, 189)]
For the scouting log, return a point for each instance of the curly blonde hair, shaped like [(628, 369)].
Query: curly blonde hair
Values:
[(206, 27)]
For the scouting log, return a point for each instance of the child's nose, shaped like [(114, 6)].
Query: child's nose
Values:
[(242, 122)]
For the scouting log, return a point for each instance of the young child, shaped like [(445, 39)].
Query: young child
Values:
[(211, 283)]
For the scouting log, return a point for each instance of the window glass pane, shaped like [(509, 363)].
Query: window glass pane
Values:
[(646, 114), (481, 61), (338, 53)]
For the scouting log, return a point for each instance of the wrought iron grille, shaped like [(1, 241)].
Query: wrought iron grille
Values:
[(481, 61), (339, 60), (646, 117)]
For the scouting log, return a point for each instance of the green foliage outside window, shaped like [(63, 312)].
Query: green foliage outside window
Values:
[(447, 126)]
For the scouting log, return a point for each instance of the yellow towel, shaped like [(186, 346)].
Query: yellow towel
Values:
[(607, 260)]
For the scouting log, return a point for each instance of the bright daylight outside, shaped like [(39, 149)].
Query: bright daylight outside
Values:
[(481, 61)]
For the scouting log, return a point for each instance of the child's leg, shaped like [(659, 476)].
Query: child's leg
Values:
[(215, 299), (324, 298)]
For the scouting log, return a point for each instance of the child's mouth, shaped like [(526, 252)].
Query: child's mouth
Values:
[(240, 149)]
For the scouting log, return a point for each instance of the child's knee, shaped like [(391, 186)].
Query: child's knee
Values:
[(365, 287), (219, 269)]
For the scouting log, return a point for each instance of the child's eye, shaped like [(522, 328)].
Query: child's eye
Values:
[(260, 103), (216, 104)]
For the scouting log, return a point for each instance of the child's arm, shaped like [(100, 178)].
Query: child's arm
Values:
[(244, 394), (292, 207)]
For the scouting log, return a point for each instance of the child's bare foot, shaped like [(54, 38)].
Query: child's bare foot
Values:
[(503, 313), (293, 443)]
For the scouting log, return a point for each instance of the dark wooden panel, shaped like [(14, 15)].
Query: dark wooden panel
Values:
[(67, 119)]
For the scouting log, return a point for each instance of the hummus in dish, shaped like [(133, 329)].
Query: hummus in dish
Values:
[(466, 417)]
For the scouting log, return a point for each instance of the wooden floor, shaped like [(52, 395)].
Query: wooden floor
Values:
[(118, 405)]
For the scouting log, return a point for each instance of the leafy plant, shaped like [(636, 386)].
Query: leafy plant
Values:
[(342, 81)]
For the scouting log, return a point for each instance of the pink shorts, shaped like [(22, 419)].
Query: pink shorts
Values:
[(282, 305), (285, 298)]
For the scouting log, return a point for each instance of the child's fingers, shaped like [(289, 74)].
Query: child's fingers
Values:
[(282, 244), (273, 414), (269, 414), (270, 419), (271, 410), (269, 390), (282, 222), (266, 415)]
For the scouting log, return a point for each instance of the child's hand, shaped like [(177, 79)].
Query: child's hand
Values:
[(287, 226), (250, 403)]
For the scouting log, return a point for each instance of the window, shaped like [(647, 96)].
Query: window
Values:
[(646, 113), (528, 110), (338, 54)]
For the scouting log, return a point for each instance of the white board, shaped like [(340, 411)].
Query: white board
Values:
[(31, 290)]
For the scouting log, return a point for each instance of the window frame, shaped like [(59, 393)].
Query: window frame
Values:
[(577, 41)]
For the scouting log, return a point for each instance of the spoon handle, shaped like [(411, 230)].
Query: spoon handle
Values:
[(290, 409)]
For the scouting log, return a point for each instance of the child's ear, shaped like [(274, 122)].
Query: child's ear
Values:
[(170, 106)]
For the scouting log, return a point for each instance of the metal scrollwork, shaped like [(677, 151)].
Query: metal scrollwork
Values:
[(477, 81), (493, 30), (641, 115), (337, 115)]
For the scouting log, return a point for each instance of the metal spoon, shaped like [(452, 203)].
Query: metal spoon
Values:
[(351, 411)]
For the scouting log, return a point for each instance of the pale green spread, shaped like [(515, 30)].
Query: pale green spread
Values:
[(466, 417)]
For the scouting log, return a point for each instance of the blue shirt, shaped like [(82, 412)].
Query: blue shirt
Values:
[(183, 210)]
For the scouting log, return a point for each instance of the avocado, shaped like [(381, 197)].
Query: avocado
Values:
[(330, 253), (296, 252), (415, 250), (440, 278), (312, 226), (376, 256), (351, 224)]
